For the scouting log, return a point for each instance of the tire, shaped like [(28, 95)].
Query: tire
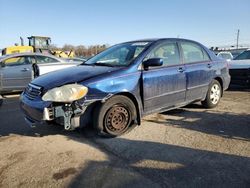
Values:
[(213, 95), (115, 117)]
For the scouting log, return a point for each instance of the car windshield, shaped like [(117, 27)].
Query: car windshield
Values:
[(243, 55), (118, 55)]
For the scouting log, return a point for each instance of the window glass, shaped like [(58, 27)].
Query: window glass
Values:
[(168, 52), (138, 50), (205, 55), (44, 59), (243, 55), (15, 61), (193, 53), (118, 55), (41, 42), (31, 59)]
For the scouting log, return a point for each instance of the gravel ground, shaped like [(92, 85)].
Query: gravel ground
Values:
[(186, 147)]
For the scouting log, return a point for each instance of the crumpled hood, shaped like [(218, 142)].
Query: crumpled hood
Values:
[(70, 75)]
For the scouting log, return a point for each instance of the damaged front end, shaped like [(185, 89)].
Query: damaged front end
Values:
[(69, 114), (68, 105)]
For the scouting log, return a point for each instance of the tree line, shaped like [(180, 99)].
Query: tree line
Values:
[(81, 50)]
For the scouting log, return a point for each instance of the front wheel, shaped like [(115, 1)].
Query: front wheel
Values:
[(115, 117), (213, 95)]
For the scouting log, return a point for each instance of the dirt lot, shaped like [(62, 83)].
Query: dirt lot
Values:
[(187, 147)]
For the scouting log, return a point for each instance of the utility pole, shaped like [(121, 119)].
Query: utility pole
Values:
[(238, 34)]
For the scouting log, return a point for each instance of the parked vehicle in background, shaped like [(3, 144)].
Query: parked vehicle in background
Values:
[(115, 88), (17, 70), (225, 55), (239, 69)]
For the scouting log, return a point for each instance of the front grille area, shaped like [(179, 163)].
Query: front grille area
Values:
[(32, 91)]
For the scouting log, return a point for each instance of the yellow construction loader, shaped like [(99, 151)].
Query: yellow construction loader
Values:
[(38, 44)]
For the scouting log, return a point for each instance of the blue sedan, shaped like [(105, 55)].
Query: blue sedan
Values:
[(113, 90)]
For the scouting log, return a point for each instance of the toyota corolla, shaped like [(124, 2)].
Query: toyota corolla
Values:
[(113, 90)]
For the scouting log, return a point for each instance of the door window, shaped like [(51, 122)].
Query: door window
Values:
[(193, 53), (16, 61), (44, 59), (168, 52)]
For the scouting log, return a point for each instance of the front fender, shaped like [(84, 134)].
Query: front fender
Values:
[(126, 84)]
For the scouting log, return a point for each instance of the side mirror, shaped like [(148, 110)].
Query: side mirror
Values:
[(154, 62)]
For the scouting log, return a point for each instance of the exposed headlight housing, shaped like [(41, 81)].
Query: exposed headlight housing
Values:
[(66, 93)]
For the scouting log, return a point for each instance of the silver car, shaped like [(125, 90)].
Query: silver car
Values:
[(17, 70)]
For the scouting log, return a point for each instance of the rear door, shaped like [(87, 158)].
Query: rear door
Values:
[(16, 73), (48, 64), (199, 70), (164, 86)]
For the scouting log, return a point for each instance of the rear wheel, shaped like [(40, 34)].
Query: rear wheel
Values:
[(115, 117), (213, 95)]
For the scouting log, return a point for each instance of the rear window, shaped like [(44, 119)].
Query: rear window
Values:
[(243, 55)]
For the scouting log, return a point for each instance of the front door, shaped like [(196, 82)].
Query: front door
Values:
[(16, 73), (164, 86)]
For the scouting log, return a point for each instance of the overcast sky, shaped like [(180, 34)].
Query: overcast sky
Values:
[(79, 22)]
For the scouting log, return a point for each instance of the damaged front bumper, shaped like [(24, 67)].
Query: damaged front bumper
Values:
[(66, 114)]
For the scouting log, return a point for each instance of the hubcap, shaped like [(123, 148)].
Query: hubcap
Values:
[(117, 119), (215, 94)]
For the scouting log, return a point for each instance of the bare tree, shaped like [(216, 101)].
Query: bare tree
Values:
[(82, 50)]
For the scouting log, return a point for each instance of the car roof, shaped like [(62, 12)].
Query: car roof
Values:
[(29, 54), (162, 39), (226, 52)]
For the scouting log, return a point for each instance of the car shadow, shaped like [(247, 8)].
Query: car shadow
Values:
[(238, 88), (138, 163), (164, 165), (224, 124)]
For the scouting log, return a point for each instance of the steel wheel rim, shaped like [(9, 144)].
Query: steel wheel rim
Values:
[(215, 94), (117, 119)]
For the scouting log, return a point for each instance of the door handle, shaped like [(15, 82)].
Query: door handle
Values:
[(25, 69), (209, 65), (181, 69)]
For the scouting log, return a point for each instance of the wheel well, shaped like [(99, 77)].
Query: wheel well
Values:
[(134, 100), (221, 84)]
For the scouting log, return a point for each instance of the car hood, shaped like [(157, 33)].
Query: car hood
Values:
[(239, 64), (70, 75)]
